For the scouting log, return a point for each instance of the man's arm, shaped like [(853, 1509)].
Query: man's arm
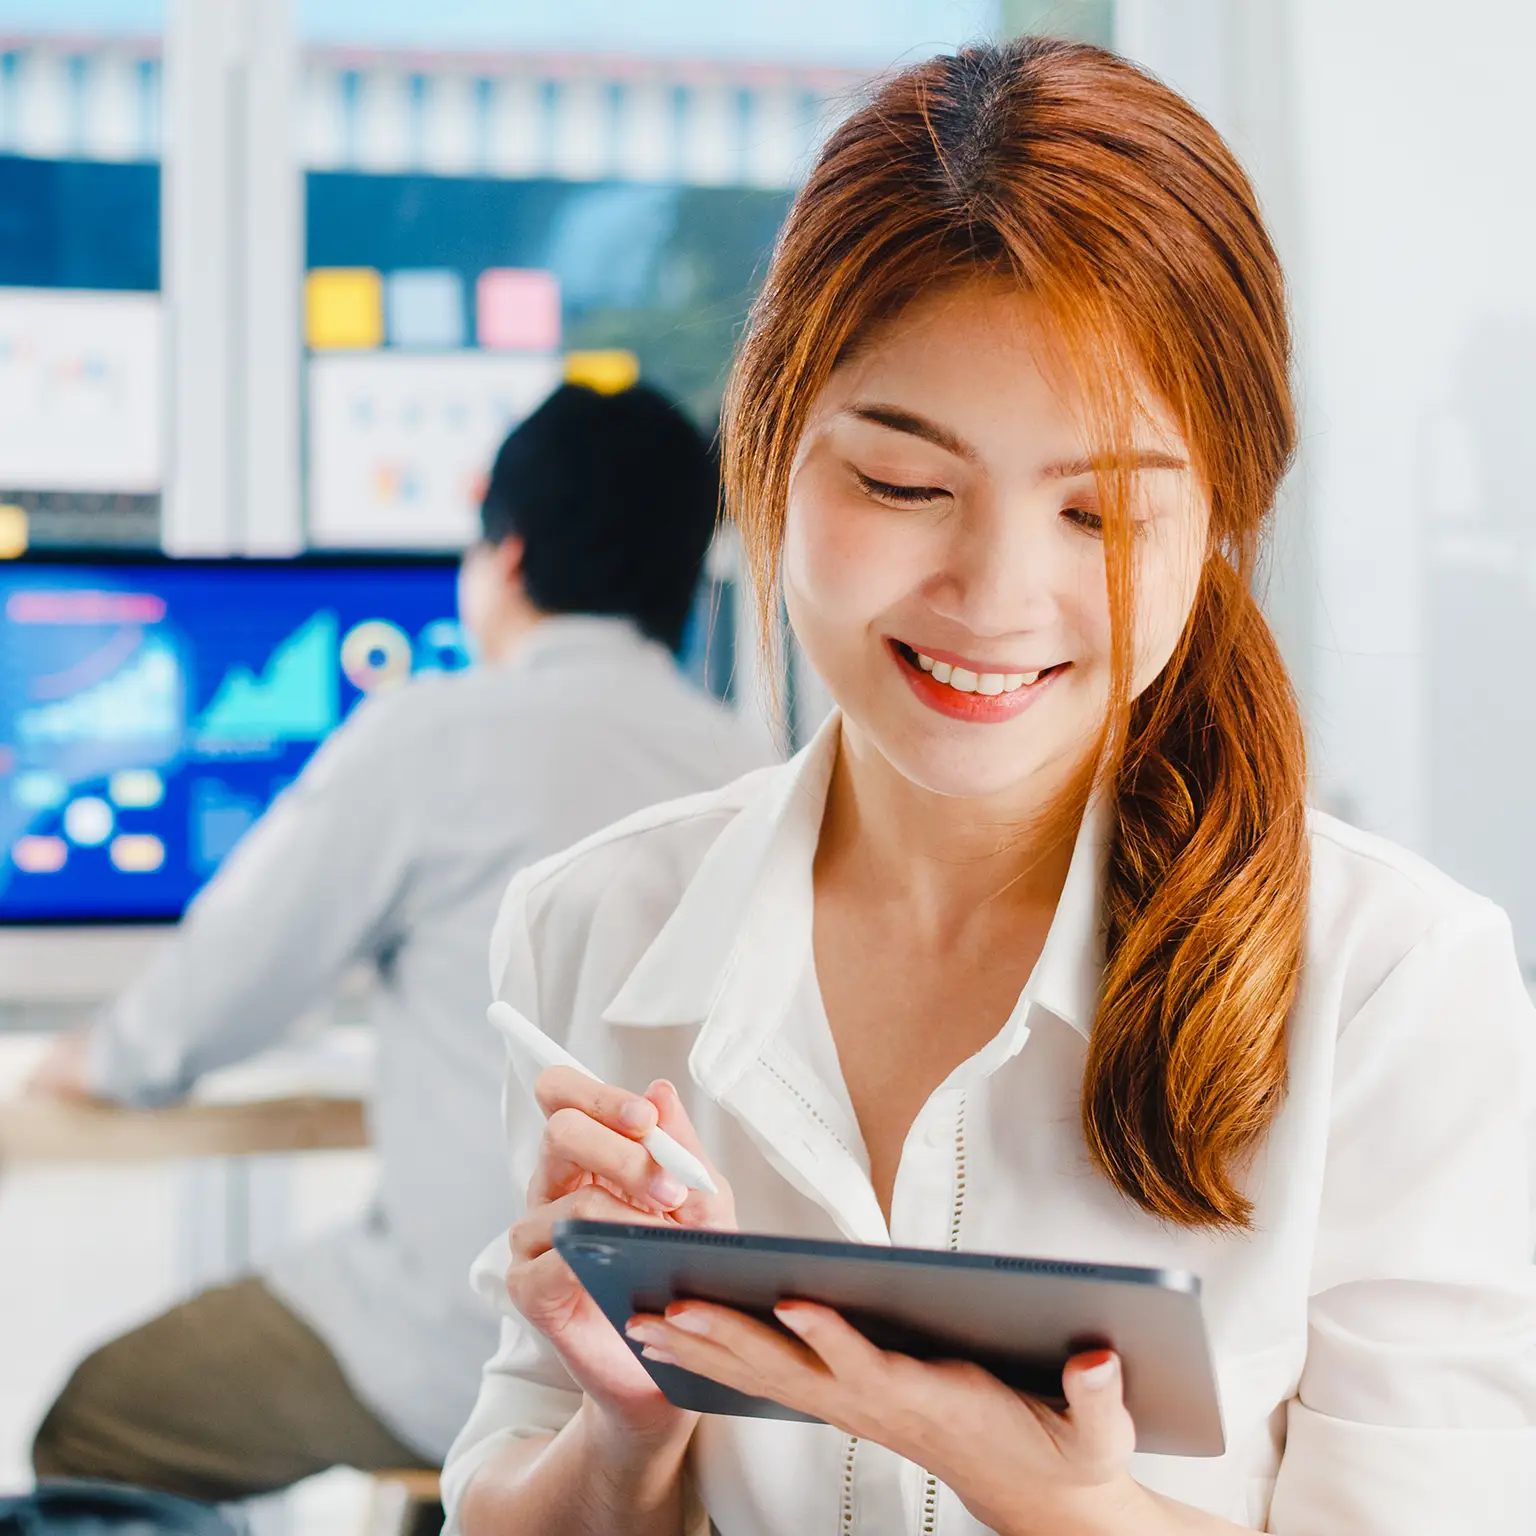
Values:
[(309, 891)]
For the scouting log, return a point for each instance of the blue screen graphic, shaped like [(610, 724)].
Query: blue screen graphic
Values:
[(149, 713)]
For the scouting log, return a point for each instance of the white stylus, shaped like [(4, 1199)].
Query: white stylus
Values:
[(524, 1036)]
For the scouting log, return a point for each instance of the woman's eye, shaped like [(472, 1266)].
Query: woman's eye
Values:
[(904, 495), (1092, 523)]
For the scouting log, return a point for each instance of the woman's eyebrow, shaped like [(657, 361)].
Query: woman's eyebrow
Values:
[(1070, 469), (898, 420)]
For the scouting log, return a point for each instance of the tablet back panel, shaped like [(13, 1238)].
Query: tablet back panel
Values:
[(1020, 1318)]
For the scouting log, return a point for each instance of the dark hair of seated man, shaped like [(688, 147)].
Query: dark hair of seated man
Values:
[(615, 498)]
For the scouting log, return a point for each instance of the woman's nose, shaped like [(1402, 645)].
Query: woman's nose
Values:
[(1002, 571)]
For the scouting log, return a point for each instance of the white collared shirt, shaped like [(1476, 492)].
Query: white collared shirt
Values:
[(1375, 1331)]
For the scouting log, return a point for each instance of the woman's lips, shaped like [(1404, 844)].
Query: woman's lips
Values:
[(989, 708)]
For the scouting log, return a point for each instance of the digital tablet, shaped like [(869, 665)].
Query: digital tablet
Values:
[(1019, 1318)]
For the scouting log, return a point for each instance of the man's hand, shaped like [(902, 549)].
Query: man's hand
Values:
[(61, 1074)]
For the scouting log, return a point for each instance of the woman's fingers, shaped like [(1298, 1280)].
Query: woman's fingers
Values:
[(698, 1209), (630, 1114), (1102, 1431), (576, 1148), (545, 1291), (837, 1343), (533, 1235), (735, 1350)]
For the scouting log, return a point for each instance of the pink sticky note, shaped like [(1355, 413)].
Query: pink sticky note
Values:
[(518, 309)]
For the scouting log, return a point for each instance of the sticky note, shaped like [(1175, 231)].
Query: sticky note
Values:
[(343, 307), (13, 531), (424, 308), (517, 309), (608, 371)]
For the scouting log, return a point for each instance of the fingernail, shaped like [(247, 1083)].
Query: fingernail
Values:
[(645, 1333), (690, 1321), (1101, 1374), (667, 1189), (637, 1115), (660, 1356)]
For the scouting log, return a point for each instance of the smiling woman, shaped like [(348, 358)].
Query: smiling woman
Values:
[(1035, 949), (941, 253)]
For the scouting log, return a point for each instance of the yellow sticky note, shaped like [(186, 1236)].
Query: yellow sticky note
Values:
[(608, 371), (13, 531), (343, 307)]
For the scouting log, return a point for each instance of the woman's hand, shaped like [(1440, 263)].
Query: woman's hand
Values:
[(1020, 1467), (591, 1166)]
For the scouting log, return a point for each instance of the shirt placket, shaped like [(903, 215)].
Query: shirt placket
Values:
[(927, 1201), (928, 1209)]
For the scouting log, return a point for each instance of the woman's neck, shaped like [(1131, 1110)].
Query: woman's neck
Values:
[(945, 858)]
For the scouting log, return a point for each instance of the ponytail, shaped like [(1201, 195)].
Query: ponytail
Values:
[(1205, 901)]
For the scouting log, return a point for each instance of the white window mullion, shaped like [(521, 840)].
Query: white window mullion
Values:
[(273, 224), (323, 115), (43, 87), (232, 255), (112, 107), (515, 136), (450, 131), (197, 254)]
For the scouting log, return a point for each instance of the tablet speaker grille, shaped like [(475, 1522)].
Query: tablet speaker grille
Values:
[(1048, 1267)]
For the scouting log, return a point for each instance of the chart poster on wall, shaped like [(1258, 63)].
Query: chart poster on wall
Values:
[(80, 390), (400, 444)]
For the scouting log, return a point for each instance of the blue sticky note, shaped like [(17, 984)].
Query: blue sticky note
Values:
[(424, 308)]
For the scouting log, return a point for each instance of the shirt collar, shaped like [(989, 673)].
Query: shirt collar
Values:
[(727, 905), (560, 635), (1070, 971), (752, 891)]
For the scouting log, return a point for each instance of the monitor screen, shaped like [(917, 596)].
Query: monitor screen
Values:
[(150, 710)]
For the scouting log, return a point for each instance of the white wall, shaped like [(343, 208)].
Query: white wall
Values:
[(1415, 127), (1392, 147)]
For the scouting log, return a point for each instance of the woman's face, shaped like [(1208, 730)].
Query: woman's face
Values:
[(944, 565)]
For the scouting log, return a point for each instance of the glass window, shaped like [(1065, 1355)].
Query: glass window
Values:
[(501, 197), (1086, 21), (81, 360)]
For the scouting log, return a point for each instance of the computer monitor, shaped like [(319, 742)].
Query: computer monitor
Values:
[(151, 709)]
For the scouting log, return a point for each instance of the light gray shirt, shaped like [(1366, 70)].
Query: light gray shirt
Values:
[(394, 847)]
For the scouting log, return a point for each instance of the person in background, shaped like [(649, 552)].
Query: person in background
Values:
[(393, 848)]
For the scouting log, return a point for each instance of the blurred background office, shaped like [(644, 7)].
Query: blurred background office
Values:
[(276, 276)]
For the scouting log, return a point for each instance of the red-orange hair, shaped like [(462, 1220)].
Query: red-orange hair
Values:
[(1114, 203)]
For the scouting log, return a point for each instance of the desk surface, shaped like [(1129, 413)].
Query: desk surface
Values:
[(299, 1099), (41, 1132)]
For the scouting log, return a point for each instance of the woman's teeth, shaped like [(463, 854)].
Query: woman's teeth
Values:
[(974, 682)]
